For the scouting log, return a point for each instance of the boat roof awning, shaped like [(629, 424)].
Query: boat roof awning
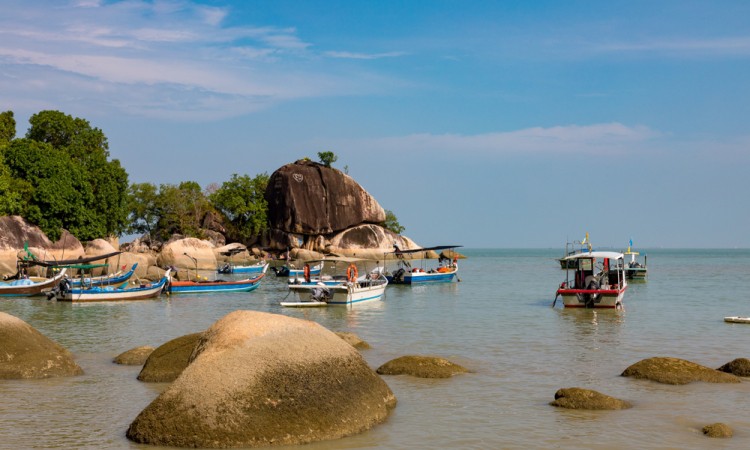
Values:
[(67, 262), (424, 249), (347, 259), (607, 255)]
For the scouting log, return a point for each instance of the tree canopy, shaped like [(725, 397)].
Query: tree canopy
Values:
[(327, 158), (391, 222), (242, 201)]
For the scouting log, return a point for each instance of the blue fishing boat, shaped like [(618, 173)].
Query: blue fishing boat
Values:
[(207, 287), (66, 293), (259, 267), (404, 273), (293, 272), (104, 280)]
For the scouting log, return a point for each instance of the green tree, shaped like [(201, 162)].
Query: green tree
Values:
[(7, 128), (327, 158), (242, 201), (181, 209), (143, 208), (391, 223)]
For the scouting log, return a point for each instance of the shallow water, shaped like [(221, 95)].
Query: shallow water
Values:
[(497, 321)]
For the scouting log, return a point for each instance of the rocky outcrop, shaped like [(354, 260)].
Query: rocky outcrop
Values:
[(15, 232), (421, 366), (26, 353), (168, 361), (718, 430), (135, 356), (259, 379), (579, 398), (310, 199), (99, 247), (353, 340), (189, 254), (676, 371), (739, 367)]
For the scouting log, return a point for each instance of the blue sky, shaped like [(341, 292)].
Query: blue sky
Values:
[(482, 123)]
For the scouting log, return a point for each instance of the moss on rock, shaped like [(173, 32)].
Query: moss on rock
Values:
[(676, 371), (421, 366)]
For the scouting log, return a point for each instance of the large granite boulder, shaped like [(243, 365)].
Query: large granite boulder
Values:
[(27, 353), (579, 398), (168, 361), (99, 247), (421, 366), (15, 232), (739, 367), (311, 199), (676, 371), (259, 379), (369, 241), (189, 254)]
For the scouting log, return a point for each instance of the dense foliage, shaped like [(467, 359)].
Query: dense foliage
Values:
[(327, 158), (391, 222), (243, 203)]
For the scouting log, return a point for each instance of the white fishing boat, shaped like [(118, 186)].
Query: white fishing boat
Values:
[(142, 291), (737, 319), (593, 280), (405, 273), (635, 270), (331, 288)]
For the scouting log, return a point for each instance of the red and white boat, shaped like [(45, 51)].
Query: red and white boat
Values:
[(593, 280)]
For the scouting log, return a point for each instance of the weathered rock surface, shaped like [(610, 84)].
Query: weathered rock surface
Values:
[(353, 340), (168, 361), (676, 371), (368, 241), (27, 353), (135, 356), (739, 367), (187, 253), (15, 231), (127, 259), (718, 430), (421, 366), (260, 379), (99, 247), (579, 398), (308, 198)]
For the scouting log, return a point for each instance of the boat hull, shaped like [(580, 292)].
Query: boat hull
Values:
[(255, 268), (424, 277), (592, 298), (208, 287), (17, 289), (640, 273), (341, 294), (103, 280), (110, 294)]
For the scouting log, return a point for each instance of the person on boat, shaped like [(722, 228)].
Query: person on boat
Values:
[(306, 271), (352, 273)]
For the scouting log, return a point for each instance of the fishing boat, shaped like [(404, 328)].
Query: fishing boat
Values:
[(143, 291), (574, 248), (635, 270), (229, 268), (292, 272), (28, 286), (104, 280), (333, 289), (594, 280), (445, 272), (737, 319), (206, 287)]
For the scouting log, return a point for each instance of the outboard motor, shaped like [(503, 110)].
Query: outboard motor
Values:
[(320, 294), (398, 275)]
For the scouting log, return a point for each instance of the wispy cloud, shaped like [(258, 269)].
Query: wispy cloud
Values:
[(352, 55), (739, 45)]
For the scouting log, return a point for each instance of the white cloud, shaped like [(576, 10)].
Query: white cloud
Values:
[(739, 45), (352, 55)]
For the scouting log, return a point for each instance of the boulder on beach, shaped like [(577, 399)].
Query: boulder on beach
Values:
[(579, 398), (26, 353), (739, 367), (676, 371), (168, 361), (135, 356), (260, 379), (99, 247), (188, 253), (353, 340), (421, 366), (718, 430)]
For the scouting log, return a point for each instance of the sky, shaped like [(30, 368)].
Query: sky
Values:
[(508, 124)]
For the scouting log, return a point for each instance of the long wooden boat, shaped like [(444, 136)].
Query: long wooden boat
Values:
[(205, 287), (104, 280), (30, 286), (588, 285), (229, 268), (66, 293)]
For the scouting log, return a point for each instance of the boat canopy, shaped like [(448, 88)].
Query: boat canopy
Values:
[(607, 255), (424, 249), (338, 259), (66, 262)]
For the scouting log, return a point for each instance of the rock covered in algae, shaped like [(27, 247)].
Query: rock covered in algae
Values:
[(676, 371), (421, 366), (739, 367), (259, 379), (579, 398), (27, 353), (168, 361), (718, 430), (134, 357)]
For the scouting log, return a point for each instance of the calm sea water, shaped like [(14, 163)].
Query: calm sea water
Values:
[(497, 321)]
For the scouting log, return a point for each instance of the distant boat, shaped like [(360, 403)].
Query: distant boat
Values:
[(104, 280), (259, 267), (66, 293), (331, 289), (588, 285), (292, 272), (635, 270), (445, 272), (737, 319), (29, 286), (206, 287)]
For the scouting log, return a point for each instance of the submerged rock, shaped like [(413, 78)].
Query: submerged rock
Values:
[(718, 430), (353, 340), (739, 367), (134, 357), (676, 371), (27, 353), (259, 379), (579, 398), (421, 366), (168, 361)]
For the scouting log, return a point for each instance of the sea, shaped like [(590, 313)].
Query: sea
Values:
[(497, 321)]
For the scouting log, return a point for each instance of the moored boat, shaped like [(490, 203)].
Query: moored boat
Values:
[(291, 271), (445, 272), (143, 291), (590, 285), (635, 270), (229, 268), (737, 319), (104, 280), (206, 287), (29, 286)]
